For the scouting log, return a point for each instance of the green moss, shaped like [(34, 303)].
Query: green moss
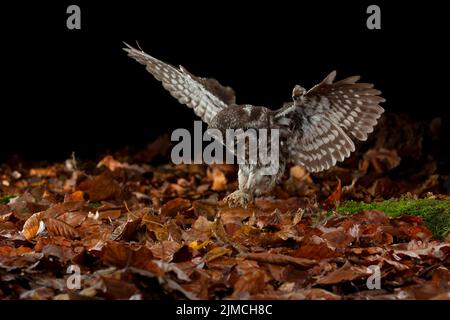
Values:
[(435, 213), (5, 199), (94, 205)]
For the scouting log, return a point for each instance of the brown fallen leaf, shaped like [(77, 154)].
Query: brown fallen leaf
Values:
[(338, 238), (112, 288), (410, 227), (74, 196), (110, 214), (221, 235), (57, 227), (61, 208), (216, 253), (217, 176), (101, 187), (315, 251), (31, 226), (126, 230), (347, 272), (200, 230), (112, 164), (122, 255), (335, 197), (438, 288), (206, 208), (18, 262), (171, 208), (109, 162), (165, 250), (279, 259), (249, 283)]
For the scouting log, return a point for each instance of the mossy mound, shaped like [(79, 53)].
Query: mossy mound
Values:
[(435, 213)]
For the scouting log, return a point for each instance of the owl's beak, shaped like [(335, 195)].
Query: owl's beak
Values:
[(298, 92)]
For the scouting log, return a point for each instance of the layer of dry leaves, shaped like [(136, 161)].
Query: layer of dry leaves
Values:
[(143, 232)]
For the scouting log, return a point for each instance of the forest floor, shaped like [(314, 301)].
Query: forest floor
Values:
[(122, 227)]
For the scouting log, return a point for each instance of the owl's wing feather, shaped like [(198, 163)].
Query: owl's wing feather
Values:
[(326, 119), (352, 105), (224, 93), (205, 96)]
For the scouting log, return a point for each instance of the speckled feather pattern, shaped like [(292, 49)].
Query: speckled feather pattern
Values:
[(317, 129)]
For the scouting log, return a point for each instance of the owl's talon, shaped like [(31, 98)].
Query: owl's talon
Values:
[(238, 199)]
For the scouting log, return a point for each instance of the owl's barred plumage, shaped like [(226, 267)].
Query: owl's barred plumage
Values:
[(206, 96), (329, 116), (317, 129)]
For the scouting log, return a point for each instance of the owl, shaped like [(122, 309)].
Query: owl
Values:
[(317, 128)]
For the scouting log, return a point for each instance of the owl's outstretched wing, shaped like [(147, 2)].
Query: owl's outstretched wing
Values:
[(326, 120), (205, 96)]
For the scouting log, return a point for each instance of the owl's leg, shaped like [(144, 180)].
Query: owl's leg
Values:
[(253, 181), (244, 195), (238, 198)]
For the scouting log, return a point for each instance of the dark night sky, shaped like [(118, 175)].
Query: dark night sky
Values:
[(76, 90)]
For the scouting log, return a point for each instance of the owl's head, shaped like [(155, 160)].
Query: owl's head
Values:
[(298, 92)]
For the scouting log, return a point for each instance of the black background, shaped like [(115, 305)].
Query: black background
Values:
[(76, 90), (403, 309)]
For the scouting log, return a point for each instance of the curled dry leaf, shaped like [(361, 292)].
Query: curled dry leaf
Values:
[(113, 165), (31, 226), (126, 230), (110, 163)]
